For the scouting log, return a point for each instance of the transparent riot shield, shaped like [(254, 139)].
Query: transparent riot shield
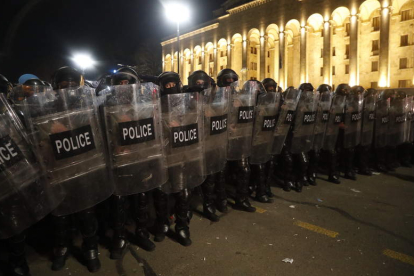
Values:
[(305, 118), (398, 118), (322, 118), (336, 115), (285, 119), (382, 120), (132, 121), (216, 109), (266, 111), (353, 120), (64, 128), (407, 128), (25, 197), (241, 116), (368, 120), (182, 121)]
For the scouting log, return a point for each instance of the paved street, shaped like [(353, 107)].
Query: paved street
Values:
[(356, 228)]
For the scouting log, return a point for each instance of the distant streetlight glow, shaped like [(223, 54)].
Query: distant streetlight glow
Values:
[(177, 13), (84, 61)]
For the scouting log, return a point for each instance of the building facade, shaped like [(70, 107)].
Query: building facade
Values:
[(370, 43)]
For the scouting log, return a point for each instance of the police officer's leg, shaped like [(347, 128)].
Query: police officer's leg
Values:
[(313, 166), (301, 164), (349, 163), (220, 189), (380, 159), (270, 171), (17, 259), (332, 167), (88, 226), (287, 170), (183, 216), (242, 176), (162, 223), (141, 214), (391, 157), (209, 208), (61, 227), (119, 240), (259, 177), (363, 159), (404, 154)]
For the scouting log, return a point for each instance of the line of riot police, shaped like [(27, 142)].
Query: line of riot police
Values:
[(74, 151)]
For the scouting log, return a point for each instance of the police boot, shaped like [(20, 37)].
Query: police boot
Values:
[(333, 171), (301, 172), (119, 241), (259, 177), (17, 260), (313, 167), (287, 166), (162, 223), (220, 188), (61, 243), (88, 226), (392, 162), (363, 158), (183, 217), (209, 209), (380, 154), (348, 159), (242, 172), (270, 168), (141, 211)]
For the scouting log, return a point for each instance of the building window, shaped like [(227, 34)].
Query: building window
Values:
[(375, 23), (403, 63), (321, 71), (322, 53), (347, 51), (346, 69), (347, 29), (210, 57), (333, 51), (404, 40), (374, 66), (403, 83), (221, 67), (221, 53), (268, 54), (253, 50), (375, 47), (407, 15), (374, 85), (210, 71), (268, 69), (333, 70), (253, 66), (189, 61), (199, 60), (334, 30), (253, 78)]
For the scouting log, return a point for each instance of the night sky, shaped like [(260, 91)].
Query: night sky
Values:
[(110, 30)]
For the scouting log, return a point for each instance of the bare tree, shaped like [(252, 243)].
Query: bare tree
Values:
[(148, 58)]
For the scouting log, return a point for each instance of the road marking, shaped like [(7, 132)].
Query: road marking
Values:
[(399, 256), (316, 229)]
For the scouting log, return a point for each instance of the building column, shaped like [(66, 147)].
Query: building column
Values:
[(215, 58), (229, 48), (181, 63), (203, 62), (327, 65), (192, 62), (282, 60), (303, 65), (384, 50), (353, 51), (243, 76), (262, 59), (276, 62)]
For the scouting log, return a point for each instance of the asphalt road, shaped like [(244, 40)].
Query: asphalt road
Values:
[(355, 228)]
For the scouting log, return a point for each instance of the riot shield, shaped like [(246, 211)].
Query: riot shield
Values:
[(368, 120), (322, 118), (264, 125), (182, 121), (305, 118), (241, 116), (353, 120), (216, 109), (25, 197), (398, 117), (64, 128), (382, 120), (336, 115), (285, 119), (132, 121)]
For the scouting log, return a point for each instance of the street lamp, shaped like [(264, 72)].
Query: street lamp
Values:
[(177, 13), (84, 61)]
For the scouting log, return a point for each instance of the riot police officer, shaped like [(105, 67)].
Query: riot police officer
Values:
[(216, 108), (65, 129), (183, 135), (5, 85), (240, 135), (132, 128)]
